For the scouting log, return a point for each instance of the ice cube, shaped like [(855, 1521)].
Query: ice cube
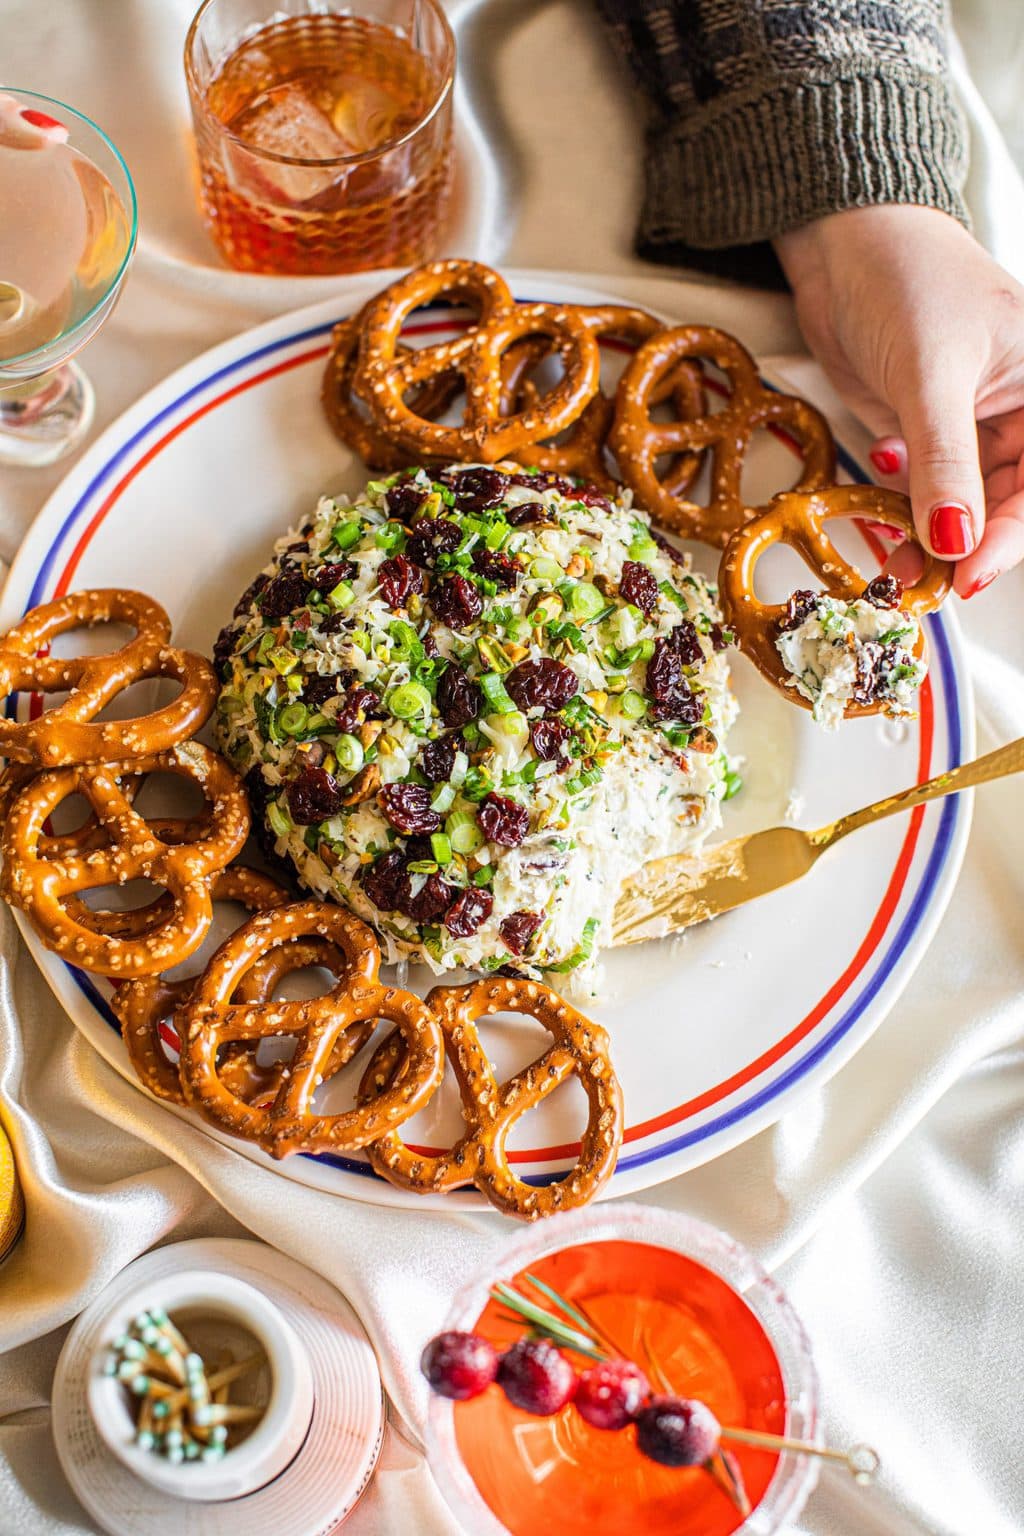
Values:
[(284, 121)]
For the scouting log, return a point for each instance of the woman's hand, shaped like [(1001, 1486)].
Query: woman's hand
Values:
[(922, 333)]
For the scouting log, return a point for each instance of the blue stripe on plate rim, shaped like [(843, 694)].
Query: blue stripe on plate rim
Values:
[(821, 1048)]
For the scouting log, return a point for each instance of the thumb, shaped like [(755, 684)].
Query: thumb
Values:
[(946, 488)]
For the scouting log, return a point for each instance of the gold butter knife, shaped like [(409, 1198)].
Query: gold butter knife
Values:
[(669, 894)]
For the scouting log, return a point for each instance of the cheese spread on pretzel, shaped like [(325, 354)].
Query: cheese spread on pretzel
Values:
[(470, 703), (861, 652)]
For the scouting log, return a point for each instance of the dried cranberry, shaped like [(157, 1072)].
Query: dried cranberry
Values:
[(458, 697), (386, 882), (549, 737), (360, 704), (285, 593), (664, 672), (335, 622), (314, 796), (685, 642), (476, 489), (301, 546), (438, 758), (224, 649), (518, 929), (798, 608), (404, 501), (683, 705), (544, 480), (431, 901), (720, 637), (250, 594), (503, 820), (408, 808), (326, 577), (433, 536), (883, 592), (638, 586), (399, 578), (528, 514), (468, 911), (317, 690), (456, 602), (591, 496), (500, 569), (429, 644), (544, 683)]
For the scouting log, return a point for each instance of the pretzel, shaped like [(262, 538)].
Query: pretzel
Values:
[(148, 1004), (383, 377), (491, 1109), (42, 886), (323, 1031), (580, 451), (638, 442), (798, 520), (69, 733), (430, 399)]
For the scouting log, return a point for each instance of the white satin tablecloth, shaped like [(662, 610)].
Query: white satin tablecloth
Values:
[(889, 1203)]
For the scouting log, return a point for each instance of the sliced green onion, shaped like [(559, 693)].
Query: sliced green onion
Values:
[(464, 831), (483, 876), (292, 718), (583, 950), (644, 549), (317, 721), (349, 752), (633, 705), (646, 650), (347, 534), (511, 724), (668, 590), (584, 601), (341, 596), (390, 537), (494, 692), (443, 797), (543, 569), (460, 767), (408, 700), (733, 784), (278, 820), (441, 847), (361, 640)]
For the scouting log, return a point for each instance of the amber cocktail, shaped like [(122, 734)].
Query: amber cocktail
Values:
[(701, 1317), (324, 134)]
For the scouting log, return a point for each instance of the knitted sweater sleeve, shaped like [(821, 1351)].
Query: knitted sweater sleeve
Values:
[(765, 114)]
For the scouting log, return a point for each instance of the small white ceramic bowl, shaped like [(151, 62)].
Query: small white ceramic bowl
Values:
[(205, 1306)]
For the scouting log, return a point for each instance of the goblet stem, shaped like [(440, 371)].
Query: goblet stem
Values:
[(44, 418)]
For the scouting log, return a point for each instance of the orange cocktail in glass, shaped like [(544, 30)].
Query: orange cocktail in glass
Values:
[(701, 1318)]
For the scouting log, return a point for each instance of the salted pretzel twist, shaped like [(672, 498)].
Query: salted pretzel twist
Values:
[(69, 733), (356, 429), (323, 1031), (150, 1005), (582, 449), (798, 520), (638, 442), (45, 881), (491, 1110), (384, 376)]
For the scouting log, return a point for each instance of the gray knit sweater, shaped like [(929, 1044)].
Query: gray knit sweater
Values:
[(765, 114)]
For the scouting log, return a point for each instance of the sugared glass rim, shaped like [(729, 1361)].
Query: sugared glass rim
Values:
[(794, 1476), (133, 234), (196, 95)]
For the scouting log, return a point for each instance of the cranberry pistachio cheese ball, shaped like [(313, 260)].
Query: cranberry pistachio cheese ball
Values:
[(470, 702)]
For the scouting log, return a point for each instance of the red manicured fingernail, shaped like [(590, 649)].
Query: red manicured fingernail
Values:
[(885, 460), (39, 119), (984, 580), (951, 529)]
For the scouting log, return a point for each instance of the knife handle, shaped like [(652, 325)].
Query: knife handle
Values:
[(994, 765)]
